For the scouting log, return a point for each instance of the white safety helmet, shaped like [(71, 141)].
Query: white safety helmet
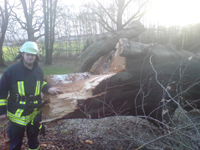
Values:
[(30, 47)]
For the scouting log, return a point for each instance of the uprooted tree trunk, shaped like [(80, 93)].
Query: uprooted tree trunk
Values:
[(98, 49), (157, 80)]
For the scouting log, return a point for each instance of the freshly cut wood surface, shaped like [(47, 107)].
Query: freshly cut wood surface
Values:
[(79, 89)]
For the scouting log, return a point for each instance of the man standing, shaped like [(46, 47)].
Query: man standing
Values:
[(20, 97)]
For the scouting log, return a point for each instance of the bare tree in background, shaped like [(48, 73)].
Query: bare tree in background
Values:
[(33, 22), (4, 18), (49, 9), (118, 17)]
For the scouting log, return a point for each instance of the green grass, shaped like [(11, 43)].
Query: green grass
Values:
[(50, 70), (58, 67)]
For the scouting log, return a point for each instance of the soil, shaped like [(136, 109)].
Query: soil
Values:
[(117, 133)]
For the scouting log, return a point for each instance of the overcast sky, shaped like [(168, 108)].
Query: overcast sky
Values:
[(166, 12)]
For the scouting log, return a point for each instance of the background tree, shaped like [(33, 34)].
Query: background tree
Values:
[(116, 14), (49, 10), (32, 22), (5, 10)]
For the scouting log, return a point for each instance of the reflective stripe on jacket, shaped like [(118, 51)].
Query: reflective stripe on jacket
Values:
[(24, 87)]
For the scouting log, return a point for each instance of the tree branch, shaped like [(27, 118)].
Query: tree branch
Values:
[(39, 36), (164, 136), (110, 28), (136, 14), (126, 5), (106, 12), (173, 98), (22, 24)]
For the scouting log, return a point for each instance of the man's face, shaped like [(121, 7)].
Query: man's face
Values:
[(29, 58)]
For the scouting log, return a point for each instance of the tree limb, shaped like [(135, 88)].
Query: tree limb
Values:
[(164, 136), (40, 26), (135, 15), (22, 24), (41, 35), (106, 12), (110, 28), (126, 5)]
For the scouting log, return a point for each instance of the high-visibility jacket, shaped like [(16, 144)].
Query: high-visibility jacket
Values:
[(20, 92)]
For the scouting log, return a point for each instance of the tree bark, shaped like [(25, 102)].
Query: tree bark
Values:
[(157, 80), (49, 9), (109, 95), (120, 6), (4, 17), (98, 49)]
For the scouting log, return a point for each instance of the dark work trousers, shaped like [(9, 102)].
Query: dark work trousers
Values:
[(16, 134)]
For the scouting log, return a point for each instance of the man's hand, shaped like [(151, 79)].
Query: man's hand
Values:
[(3, 117), (54, 90)]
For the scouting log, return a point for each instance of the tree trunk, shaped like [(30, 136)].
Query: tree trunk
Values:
[(109, 95), (4, 17), (50, 17), (98, 49), (29, 19), (46, 21), (157, 79), (120, 14), (3, 29), (2, 64)]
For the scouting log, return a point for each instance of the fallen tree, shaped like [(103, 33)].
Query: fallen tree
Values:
[(155, 80), (104, 46)]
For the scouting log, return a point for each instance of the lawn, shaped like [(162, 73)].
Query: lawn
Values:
[(58, 67)]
